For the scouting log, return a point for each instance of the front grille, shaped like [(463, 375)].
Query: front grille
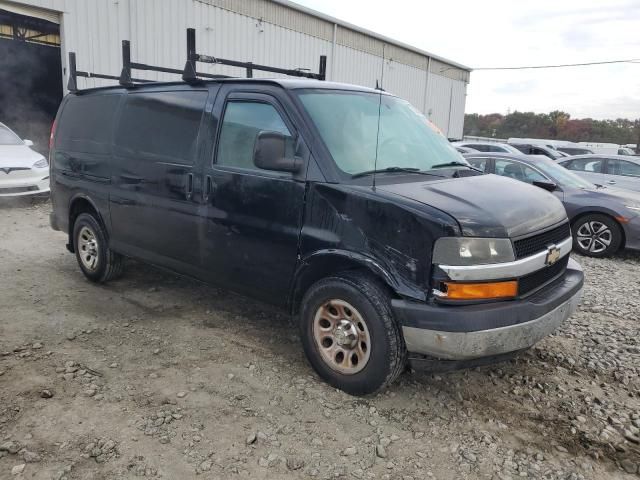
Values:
[(535, 280), (538, 243)]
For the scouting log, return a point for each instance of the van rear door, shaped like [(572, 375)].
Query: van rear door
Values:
[(154, 209)]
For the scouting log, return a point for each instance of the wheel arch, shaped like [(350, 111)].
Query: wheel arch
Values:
[(78, 204), (327, 262), (607, 213)]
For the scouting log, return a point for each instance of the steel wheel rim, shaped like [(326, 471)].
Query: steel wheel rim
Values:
[(342, 337), (88, 250), (594, 237)]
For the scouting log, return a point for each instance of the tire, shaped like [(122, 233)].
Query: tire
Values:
[(96, 260), (352, 307), (596, 235)]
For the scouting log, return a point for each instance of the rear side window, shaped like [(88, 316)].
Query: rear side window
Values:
[(241, 124), (592, 165), (622, 167), (161, 125), (86, 123)]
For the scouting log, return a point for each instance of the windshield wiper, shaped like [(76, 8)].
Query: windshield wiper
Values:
[(457, 164), (396, 170)]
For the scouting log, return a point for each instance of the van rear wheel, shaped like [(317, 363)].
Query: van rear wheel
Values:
[(349, 334), (96, 260)]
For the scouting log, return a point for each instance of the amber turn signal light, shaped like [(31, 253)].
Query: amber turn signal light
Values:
[(481, 291)]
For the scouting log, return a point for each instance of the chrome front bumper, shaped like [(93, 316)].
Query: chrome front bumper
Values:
[(490, 329), (485, 343)]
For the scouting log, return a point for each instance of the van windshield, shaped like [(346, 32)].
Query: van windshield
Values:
[(7, 137), (348, 124)]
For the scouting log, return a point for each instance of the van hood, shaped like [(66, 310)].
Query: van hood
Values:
[(486, 205), (12, 156)]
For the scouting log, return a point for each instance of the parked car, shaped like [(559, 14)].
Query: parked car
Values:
[(620, 171), (487, 146), (547, 151), (466, 149), (269, 188), (607, 148), (603, 220), (22, 171), (574, 150), (626, 151)]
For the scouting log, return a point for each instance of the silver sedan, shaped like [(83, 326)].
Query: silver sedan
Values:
[(620, 171)]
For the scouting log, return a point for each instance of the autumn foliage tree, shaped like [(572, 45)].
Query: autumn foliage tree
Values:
[(555, 125)]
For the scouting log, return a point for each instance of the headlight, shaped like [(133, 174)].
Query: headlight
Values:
[(472, 251), (633, 207), (42, 163)]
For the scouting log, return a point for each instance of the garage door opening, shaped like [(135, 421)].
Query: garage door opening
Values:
[(31, 74)]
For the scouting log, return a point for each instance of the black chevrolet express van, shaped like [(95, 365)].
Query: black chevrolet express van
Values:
[(267, 187)]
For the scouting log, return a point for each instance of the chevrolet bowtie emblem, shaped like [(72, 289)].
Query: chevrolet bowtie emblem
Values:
[(553, 255)]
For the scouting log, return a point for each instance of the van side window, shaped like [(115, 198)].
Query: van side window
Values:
[(241, 124), (86, 123), (161, 125)]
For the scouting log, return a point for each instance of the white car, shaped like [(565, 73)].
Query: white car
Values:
[(22, 170)]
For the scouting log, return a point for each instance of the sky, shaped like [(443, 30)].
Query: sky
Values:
[(500, 33)]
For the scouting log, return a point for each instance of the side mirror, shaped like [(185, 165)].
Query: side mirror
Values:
[(270, 153), (549, 186), (28, 143)]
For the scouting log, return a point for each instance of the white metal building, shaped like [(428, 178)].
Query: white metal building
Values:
[(273, 32)]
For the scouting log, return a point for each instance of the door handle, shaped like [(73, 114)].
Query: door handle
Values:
[(611, 182), (189, 186), (207, 188)]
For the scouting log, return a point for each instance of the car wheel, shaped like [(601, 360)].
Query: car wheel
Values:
[(97, 261), (596, 235), (349, 334)]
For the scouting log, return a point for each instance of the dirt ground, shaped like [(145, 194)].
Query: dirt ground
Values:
[(160, 376)]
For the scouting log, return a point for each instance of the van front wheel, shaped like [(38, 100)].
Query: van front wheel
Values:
[(349, 334), (95, 258)]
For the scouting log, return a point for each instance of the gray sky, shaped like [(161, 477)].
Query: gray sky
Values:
[(514, 33)]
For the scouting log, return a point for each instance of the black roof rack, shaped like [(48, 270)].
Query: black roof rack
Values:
[(189, 73)]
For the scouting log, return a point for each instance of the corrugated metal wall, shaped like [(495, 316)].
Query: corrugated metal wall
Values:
[(260, 31)]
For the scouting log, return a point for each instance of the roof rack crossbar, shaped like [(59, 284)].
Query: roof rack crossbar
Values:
[(189, 73), (193, 57)]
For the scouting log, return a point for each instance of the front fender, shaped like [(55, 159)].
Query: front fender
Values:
[(592, 210), (323, 263)]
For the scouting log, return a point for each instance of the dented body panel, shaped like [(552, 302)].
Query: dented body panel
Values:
[(389, 235)]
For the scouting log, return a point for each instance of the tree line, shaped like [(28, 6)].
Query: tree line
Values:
[(555, 125)]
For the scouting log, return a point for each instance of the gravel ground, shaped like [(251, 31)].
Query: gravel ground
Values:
[(158, 376)]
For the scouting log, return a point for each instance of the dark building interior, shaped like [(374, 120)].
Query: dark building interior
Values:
[(30, 76)]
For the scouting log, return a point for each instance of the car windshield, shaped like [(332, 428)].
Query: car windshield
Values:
[(348, 124), (7, 137), (561, 175), (505, 147)]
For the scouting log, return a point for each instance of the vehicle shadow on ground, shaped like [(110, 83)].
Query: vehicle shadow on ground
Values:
[(16, 203), (220, 308)]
